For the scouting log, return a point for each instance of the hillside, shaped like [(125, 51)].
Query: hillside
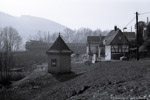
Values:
[(116, 79), (29, 25)]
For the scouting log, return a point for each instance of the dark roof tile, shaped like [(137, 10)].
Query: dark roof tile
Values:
[(110, 37), (59, 46), (130, 35), (95, 39)]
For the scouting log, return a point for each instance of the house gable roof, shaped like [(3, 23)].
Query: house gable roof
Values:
[(109, 38), (95, 39), (112, 36), (130, 35), (59, 46)]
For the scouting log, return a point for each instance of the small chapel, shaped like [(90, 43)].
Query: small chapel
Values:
[(59, 57)]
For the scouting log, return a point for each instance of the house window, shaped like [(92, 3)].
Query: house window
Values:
[(54, 62), (114, 48), (126, 48), (119, 48), (119, 37)]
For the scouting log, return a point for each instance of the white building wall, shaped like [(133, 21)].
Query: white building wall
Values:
[(87, 50), (94, 58), (108, 52), (99, 52)]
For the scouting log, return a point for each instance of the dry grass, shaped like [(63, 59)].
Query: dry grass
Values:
[(112, 79)]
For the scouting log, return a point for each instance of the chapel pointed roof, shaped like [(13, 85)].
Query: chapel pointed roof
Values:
[(59, 46)]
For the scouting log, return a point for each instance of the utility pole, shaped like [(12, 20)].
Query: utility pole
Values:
[(137, 37)]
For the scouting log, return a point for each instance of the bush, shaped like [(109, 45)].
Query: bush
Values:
[(16, 76), (116, 56), (88, 63)]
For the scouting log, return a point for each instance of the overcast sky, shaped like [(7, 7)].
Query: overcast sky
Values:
[(102, 14)]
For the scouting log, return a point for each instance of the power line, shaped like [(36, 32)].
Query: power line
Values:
[(144, 13), (135, 17), (130, 21)]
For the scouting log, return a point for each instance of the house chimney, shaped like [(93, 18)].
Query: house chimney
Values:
[(147, 20), (115, 28)]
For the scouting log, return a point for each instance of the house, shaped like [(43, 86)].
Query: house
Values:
[(130, 36), (95, 46), (116, 44), (59, 57), (132, 39), (77, 48)]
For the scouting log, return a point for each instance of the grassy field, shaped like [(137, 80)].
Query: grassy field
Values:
[(110, 80)]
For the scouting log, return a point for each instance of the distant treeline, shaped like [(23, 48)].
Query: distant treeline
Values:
[(70, 36)]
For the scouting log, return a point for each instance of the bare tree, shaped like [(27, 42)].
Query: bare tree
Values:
[(1, 45), (68, 35), (41, 36), (81, 35), (10, 42), (10, 39), (46, 37), (54, 36)]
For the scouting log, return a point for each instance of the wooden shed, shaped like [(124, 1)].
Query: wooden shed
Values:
[(59, 57)]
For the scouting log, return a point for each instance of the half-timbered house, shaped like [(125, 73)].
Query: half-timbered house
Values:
[(116, 44)]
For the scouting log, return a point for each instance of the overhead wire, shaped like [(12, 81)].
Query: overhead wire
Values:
[(130, 21), (135, 17), (144, 13)]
